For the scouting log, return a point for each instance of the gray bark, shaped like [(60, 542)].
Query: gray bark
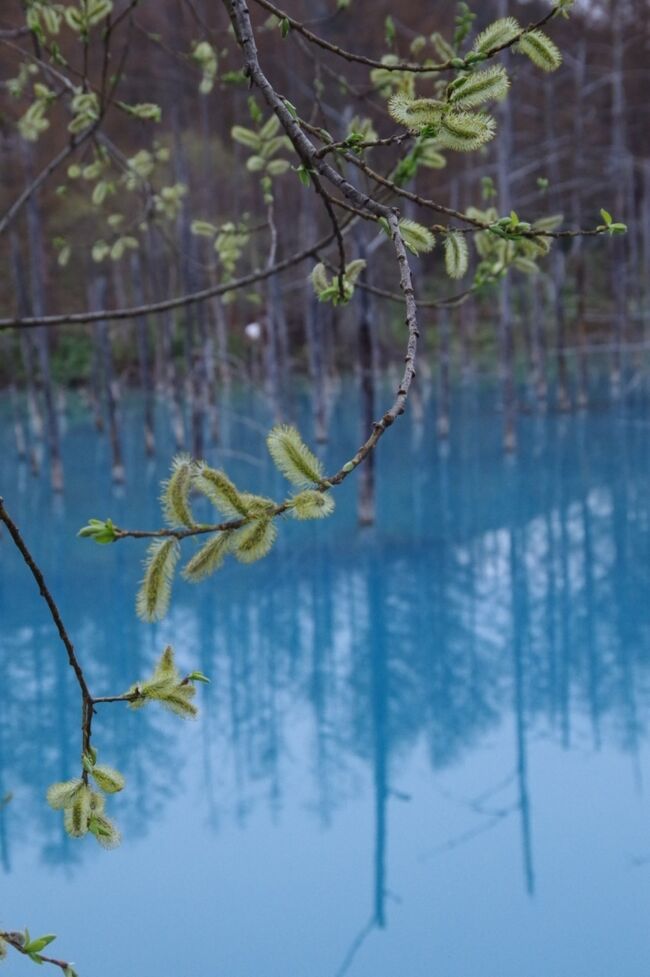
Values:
[(97, 298), (38, 303)]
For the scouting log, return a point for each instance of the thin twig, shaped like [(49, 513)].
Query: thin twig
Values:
[(423, 69)]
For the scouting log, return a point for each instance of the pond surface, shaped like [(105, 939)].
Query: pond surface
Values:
[(424, 749)]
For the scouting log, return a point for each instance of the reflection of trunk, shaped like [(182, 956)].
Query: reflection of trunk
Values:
[(144, 364), (520, 628), (366, 345), (442, 424), (97, 300), (36, 265), (380, 706)]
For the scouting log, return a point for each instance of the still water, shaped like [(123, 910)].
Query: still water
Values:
[(424, 749)]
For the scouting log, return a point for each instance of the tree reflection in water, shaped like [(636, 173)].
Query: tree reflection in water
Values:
[(492, 591)]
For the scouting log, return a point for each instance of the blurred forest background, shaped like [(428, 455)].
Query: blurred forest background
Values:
[(569, 143)]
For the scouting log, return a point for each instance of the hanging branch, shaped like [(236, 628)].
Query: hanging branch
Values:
[(83, 807)]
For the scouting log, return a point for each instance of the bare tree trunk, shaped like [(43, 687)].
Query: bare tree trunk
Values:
[(37, 276), (271, 358), (581, 320), (225, 376), (645, 230), (505, 334), (367, 356), (34, 428), (20, 435), (194, 329), (97, 299), (578, 251), (618, 159), (167, 366), (144, 359), (442, 422), (316, 365), (314, 315), (558, 264)]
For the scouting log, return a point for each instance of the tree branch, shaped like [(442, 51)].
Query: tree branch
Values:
[(422, 69)]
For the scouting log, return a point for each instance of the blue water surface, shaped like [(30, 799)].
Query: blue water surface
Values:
[(424, 749)]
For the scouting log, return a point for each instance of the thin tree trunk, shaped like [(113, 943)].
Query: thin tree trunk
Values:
[(144, 359), (167, 366), (38, 303), (558, 263), (366, 348), (34, 427), (505, 334), (618, 158), (442, 422), (97, 297)]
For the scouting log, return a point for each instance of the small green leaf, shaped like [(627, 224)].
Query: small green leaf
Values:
[(35, 946), (100, 530), (198, 677)]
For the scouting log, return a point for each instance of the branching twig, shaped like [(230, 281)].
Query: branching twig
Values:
[(422, 69), (16, 941)]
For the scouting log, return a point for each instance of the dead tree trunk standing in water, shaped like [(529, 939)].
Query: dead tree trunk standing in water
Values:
[(443, 396), (558, 262), (618, 173), (505, 325), (144, 359), (271, 347), (167, 368), (366, 370), (578, 248), (97, 299), (20, 434), (645, 231), (314, 325), (38, 304), (194, 315), (538, 343), (34, 428), (466, 315)]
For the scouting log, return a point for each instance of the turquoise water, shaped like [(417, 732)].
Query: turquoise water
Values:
[(424, 748)]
